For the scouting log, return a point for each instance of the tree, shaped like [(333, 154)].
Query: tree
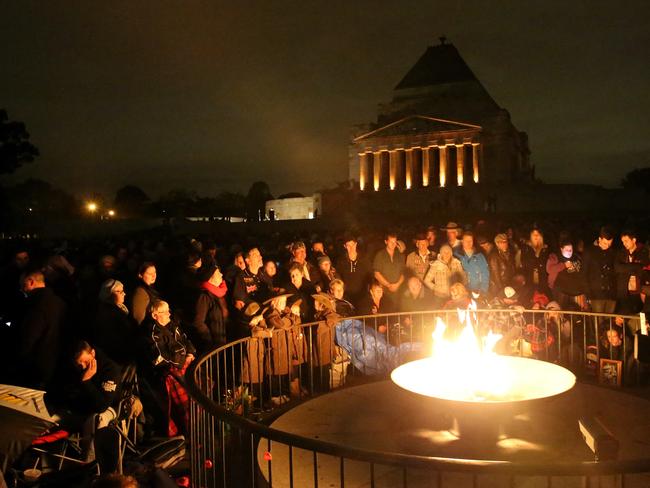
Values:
[(15, 148), (637, 178), (131, 201), (258, 194)]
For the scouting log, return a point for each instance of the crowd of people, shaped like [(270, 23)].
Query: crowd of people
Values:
[(76, 315)]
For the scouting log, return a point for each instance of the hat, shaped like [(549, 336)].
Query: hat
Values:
[(325, 300), (420, 236), (106, 290), (509, 292), (481, 240), (500, 238), (323, 259), (252, 309), (451, 226), (206, 272)]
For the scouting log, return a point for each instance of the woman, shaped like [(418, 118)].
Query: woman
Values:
[(144, 293), (337, 292), (565, 277), (113, 327), (534, 255), (271, 271), (327, 272), (169, 353), (210, 311), (443, 272)]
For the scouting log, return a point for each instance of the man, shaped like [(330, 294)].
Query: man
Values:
[(354, 269), (251, 284), (474, 264), (414, 299), (501, 264), (431, 240), (388, 267), (598, 269), (628, 266), (39, 333), (418, 261), (453, 231)]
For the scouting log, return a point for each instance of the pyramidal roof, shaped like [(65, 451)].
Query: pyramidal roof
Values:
[(438, 65)]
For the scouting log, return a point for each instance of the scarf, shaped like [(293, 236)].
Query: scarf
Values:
[(217, 291)]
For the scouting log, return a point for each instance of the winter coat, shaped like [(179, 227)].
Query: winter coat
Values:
[(114, 333), (167, 345), (476, 270), (143, 296), (442, 275), (324, 349), (598, 270), (533, 263), (288, 346), (502, 270), (209, 323)]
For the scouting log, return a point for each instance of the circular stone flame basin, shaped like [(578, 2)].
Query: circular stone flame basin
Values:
[(511, 384)]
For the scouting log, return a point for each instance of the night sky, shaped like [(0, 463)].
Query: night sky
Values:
[(211, 96)]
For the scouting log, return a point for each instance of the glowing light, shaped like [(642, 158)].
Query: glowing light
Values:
[(91, 207), (460, 179), (466, 369), (111, 213)]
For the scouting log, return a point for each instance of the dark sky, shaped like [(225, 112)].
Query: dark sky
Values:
[(214, 95)]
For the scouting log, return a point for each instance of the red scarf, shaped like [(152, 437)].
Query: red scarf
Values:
[(217, 291)]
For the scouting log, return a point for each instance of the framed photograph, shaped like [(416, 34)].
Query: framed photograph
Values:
[(610, 372)]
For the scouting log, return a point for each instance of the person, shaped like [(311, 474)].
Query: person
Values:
[(431, 241), (251, 283), (600, 278), (168, 353), (418, 261), (354, 269), (442, 273), (484, 246), (453, 232), (271, 276), (144, 293), (534, 255), (308, 270), (501, 263), (39, 333), (210, 311), (238, 264), (414, 299), (327, 271), (474, 264), (114, 328), (565, 277), (301, 291), (373, 303), (324, 350), (388, 267), (187, 287), (628, 267), (337, 292)]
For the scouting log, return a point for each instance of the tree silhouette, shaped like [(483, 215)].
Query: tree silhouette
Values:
[(15, 148), (131, 201), (258, 194), (637, 178)]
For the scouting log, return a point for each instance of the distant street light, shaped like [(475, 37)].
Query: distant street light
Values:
[(111, 213), (92, 207)]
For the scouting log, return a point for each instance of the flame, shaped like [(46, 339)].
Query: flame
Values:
[(468, 368)]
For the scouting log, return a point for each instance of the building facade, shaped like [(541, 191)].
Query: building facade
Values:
[(441, 129)]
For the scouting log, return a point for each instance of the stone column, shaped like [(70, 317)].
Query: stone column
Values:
[(426, 165), (443, 165), (475, 161), (363, 171), (460, 163), (393, 161), (410, 173), (376, 160)]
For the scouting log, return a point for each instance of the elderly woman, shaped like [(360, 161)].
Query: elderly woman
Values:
[(444, 272), (169, 353), (144, 293), (113, 328)]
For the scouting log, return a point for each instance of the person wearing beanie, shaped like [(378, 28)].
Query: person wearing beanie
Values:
[(210, 311)]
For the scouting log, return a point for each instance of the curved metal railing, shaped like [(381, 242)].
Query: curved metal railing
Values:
[(231, 404)]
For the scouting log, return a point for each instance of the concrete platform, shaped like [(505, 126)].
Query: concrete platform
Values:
[(383, 417)]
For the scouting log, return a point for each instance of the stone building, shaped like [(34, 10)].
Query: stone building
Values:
[(441, 129)]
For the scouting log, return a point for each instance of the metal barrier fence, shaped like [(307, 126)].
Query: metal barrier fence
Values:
[(238, 388)]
